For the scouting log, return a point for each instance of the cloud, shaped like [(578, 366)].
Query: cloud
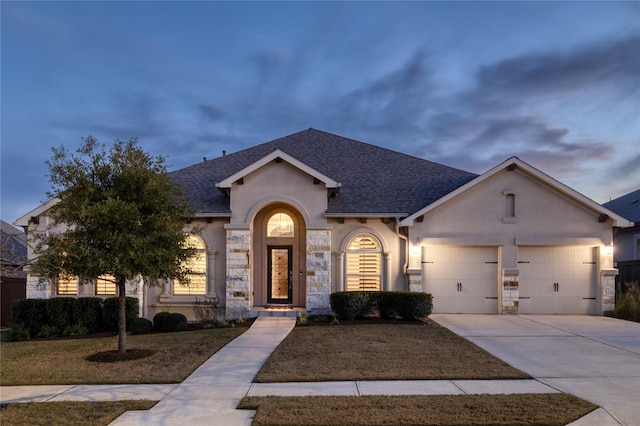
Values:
[(614, 64)]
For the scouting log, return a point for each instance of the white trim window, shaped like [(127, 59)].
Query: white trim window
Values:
[(364, 263), (67, 286), (105, 286), (197, 285)]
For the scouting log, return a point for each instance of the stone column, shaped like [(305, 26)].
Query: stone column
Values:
[(318, 271), (510, 291), (238, 272)]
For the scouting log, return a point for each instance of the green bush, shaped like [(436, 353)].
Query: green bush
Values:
[(48, 331), (414, 305), (110, 309), (176, 322), (628, 306), (159, 320), (141, 326), (349, 305), (18, 333), (30, 313), (87, 311), (75, 330), (59, 312)]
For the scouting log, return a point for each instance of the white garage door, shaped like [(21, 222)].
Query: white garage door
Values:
[(461, 279), (557, 280)]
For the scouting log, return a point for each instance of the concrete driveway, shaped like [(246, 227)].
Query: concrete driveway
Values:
[(595, 358)]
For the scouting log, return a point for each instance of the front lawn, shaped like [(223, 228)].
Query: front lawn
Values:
[(383, 351), (63, 361), (68, 413), (459, 410)]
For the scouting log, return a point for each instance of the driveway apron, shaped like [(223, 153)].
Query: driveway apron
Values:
[(594, 358)]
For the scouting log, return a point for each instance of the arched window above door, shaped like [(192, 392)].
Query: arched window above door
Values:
[(280, 225)]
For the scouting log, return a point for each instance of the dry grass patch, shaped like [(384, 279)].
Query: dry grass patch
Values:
[(64, 361), (383, 351), (68, 413), (461, 410)]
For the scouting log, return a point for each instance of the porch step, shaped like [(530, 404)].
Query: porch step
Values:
[(276, 312)]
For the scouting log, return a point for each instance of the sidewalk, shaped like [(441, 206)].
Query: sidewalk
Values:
[(209, 396)]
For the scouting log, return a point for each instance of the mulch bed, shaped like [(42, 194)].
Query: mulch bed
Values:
[(115, 356)]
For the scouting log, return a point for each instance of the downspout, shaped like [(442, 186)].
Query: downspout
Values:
[(406, 253)]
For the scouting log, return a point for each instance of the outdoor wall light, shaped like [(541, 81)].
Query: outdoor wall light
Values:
[(608, 249)]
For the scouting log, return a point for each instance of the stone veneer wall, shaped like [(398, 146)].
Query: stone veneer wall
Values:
[(238, 275), (510, 291), (608, 281), (318, 271), (415, 280)]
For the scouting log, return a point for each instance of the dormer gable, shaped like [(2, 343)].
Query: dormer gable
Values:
[(278, 155)]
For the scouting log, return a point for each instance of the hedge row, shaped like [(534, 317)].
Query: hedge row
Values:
[(64, 313), (348, 305)]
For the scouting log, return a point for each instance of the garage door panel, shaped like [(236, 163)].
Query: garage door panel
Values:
[(461, 279), (557, 280)]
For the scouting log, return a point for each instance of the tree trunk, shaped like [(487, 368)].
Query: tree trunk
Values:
[(122, 316)]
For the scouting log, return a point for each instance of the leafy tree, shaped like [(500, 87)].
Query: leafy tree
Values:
[(120, 216)]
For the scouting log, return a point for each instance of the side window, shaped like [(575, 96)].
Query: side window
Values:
[(364, 263), (67, 286), (198, 280)]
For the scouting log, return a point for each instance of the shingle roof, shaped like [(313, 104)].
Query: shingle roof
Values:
[(14, 245), (627, 206), (374, 179)]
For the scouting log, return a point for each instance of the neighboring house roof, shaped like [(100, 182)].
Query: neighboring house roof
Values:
[(13, 243), (513, 162), (372, 180), (628, 206)]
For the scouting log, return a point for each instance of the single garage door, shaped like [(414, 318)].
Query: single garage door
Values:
[(557, 280), (461, 279)]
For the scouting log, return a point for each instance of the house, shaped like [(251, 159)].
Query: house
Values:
[(288, 222), (13, 279), (626, 254), (627, 240)]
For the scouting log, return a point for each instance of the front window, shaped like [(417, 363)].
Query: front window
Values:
[(364, 263), (67, 286), (106, 286), (197, 285)]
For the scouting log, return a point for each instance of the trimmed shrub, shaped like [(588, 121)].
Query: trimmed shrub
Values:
[(87, 312), (349, 305), (176, 322), (159, 320), (59, 312), (31, 313), (414, 305), (110, 308), (141, 326)]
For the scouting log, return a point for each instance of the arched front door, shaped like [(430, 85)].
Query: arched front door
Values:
[(279, 251)]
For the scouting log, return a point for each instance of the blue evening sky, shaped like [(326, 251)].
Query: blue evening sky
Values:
[(466, 84)]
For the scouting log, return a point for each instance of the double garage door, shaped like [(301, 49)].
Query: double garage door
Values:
[(553, 280)]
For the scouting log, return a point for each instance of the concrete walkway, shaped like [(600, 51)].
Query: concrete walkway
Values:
[(211, 393)]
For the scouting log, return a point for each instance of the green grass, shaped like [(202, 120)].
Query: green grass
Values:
[(460, 410), (387, 351), (63, 361), (68, 413)]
